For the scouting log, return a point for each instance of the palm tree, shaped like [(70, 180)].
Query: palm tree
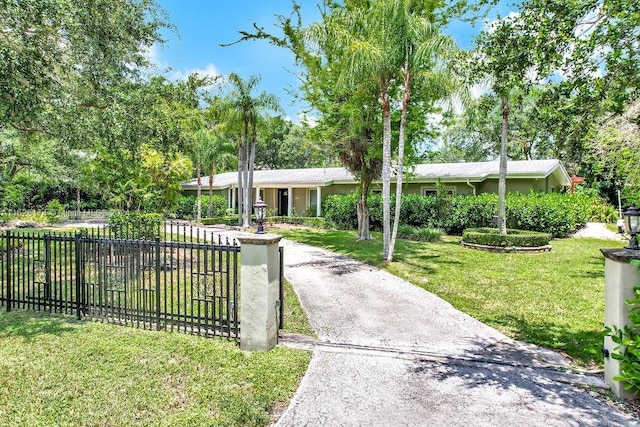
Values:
[(222, 156), (201, 152), (386, 41), (247, 110), (504, 58), (364, 35), (423, 50)]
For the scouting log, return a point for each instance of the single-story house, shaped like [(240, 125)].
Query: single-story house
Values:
[(290, 191)]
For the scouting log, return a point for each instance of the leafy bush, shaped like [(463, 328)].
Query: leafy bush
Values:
[(226, 219), (341, 210), (184, 207), (513, 238), (316, 222), (54, 212), (135, 225), (219, 206), (558, 214), (470, 211)]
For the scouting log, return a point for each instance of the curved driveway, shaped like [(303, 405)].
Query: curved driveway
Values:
[(392, 354)]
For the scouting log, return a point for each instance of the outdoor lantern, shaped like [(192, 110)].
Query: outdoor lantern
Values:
[(631, 224), (260, 209)]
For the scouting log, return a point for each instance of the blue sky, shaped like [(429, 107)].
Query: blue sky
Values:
[(202, 25)]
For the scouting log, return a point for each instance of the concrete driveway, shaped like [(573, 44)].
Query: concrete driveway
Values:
[(392, 354)]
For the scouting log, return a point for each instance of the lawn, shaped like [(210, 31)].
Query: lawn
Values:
[(553, 299), (55, 370)]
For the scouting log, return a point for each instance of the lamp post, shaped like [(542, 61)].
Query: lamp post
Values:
[(631, 224), (260, 209)]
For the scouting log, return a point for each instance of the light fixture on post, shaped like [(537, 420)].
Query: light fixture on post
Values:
[(260, 209), (631, 225)]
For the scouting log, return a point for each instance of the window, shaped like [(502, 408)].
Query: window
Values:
[(433, 191)]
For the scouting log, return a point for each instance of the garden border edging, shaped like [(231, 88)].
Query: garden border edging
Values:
[(506, 249)]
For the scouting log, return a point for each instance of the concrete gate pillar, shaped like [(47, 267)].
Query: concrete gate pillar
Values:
[(620, 277), (259, 291)]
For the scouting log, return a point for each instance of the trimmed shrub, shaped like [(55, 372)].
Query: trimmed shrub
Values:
[(557, 214), (316, 222), (514, 238), (225, 220), (341, 210), (470, 211), (135, 225), (219, 206), (184, 207), (54, 212)]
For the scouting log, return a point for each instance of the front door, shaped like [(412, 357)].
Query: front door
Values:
[(283, 202)]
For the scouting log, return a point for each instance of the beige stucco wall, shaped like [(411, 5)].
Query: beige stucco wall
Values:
[(524, 186)]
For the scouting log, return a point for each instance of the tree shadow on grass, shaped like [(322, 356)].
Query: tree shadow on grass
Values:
[(28, 324), (595, 269), (584, 344)]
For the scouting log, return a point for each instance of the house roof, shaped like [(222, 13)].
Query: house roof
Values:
[(447, 172)]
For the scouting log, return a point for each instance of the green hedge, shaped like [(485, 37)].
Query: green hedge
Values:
[(136, 225), (513, 238), (187, 207), (300, 220), (557, 214), (226, 220)]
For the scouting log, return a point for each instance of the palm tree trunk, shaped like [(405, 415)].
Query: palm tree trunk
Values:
[(502, 180), (212, 172), (78, 202), (363, 211), (386, 169), (245, 178), (252, 160), (199, 192), (400, 168), (241, 165)]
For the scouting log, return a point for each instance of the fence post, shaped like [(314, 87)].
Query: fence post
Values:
[(78, 265), (259, 300), (47, 270), (157, 254), (9, 279), (281, 283)]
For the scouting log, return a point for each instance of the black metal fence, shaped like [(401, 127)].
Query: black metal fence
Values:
[(187, 281)]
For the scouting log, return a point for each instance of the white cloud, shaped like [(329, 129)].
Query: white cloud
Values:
[(491, 25), (209, 70), (308, 120)]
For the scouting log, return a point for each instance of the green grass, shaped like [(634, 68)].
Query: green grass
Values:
[(553, 299), (57, 371), (612, 227), (295, 319)]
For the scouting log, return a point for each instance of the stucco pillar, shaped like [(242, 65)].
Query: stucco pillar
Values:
[(233, 198), (289, 200), (620, 277), (318, 201), (259, 295)]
